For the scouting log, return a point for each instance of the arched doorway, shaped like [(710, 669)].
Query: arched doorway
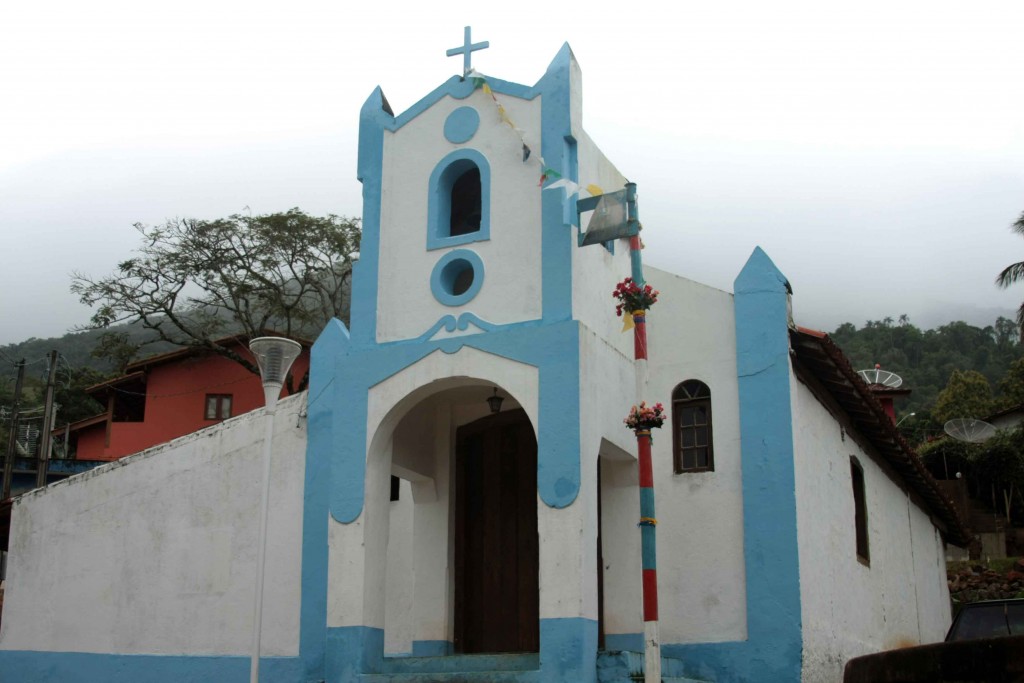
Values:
[(496, 546)]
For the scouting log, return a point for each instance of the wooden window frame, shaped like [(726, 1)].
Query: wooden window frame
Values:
[(221, 400), (860, 512), (690, 393)]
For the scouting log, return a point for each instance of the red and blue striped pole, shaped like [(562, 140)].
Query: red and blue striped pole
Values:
[(648, 520)]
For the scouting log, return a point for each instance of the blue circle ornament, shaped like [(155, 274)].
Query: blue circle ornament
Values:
[(457, 277), (461, 125)]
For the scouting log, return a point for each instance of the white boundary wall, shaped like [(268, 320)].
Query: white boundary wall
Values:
[(156, 553)]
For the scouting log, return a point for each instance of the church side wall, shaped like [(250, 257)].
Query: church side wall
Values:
[(701, 571), (848, 607)]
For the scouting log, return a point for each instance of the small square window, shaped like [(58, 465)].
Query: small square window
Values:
[(218, 406)]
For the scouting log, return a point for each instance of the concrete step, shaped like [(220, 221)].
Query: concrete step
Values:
[(497, 668), (464, 663), (455, 677)]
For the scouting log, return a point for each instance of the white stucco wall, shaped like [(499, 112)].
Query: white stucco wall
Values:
[(511, 289), (156, 553), (596, 271), (848, 608), (399, 618), (701, 571)]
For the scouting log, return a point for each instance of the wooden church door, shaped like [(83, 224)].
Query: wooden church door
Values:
[(496, 563)]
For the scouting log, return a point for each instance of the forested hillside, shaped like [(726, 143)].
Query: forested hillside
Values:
[(927, 359)]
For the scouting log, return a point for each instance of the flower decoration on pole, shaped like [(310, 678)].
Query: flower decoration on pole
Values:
[(634, 300), (645, 418)]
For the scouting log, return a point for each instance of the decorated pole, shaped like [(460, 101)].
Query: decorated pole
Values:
[(635, 298), (641, 420), (615, 216)]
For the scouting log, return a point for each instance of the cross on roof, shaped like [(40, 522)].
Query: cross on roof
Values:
[(466, 50)]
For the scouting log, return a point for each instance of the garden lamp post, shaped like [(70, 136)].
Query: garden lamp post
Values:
[(275, 356)]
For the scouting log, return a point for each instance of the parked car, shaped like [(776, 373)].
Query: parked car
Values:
[(984, 643), (989, 619)]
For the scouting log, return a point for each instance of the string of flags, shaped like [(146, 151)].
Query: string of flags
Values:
[(546, 172)]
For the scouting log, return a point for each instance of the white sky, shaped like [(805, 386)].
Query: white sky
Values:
[(875, 150)]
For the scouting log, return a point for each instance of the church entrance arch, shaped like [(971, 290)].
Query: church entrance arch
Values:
[(496, 544)]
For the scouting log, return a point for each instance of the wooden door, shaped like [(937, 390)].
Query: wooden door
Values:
[(496, 562)]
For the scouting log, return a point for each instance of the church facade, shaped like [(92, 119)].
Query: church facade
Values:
[(425, 533)]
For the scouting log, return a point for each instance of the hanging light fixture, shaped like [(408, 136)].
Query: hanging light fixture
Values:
[(495, 401)]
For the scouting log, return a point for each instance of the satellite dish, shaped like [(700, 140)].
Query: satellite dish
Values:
[(969, 430), (876, 375)]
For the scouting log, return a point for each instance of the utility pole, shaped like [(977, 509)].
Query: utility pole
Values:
[(47, 438), (13, 435)]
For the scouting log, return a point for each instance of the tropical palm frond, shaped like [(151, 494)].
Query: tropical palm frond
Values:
[(1018, 225), (1011, 274)]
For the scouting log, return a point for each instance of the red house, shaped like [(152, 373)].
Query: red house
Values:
[(167, 396)]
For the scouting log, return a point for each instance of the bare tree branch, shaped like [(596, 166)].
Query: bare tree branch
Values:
[(191, 281)]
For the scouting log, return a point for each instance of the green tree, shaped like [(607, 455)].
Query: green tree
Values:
[(1015, 271), (967, 394), (1011, 386), (191, 281)]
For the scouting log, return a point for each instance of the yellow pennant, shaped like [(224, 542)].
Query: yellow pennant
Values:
[(487, 89), (627, 322), (594, 190)]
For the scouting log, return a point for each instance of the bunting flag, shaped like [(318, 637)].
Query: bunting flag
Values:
[(546, 173), (627, 322)]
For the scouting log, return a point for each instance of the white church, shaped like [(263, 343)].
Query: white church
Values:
[(419, 531)]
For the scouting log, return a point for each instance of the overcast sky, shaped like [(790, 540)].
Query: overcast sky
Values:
[(875, 150)]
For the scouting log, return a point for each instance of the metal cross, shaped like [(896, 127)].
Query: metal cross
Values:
[(466, 51)]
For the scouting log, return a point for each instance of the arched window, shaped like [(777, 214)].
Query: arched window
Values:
[(692, 449), (459, 200)]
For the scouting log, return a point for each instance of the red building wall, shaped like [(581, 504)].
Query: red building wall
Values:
[(176, 394)]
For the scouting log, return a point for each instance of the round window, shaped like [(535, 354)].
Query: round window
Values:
[(457, 277)]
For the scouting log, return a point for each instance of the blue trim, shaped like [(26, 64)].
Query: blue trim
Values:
[(461, 125), (432, 648), (556, 231), (82, 667), (374, 118), (353, 650), (449, 323), (341, 435), (568, 650), (624, 641), (439, 199), (321, 417), (446, 272), (774, 646)]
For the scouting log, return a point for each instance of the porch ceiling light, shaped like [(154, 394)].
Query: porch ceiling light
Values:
[(495, 401)]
